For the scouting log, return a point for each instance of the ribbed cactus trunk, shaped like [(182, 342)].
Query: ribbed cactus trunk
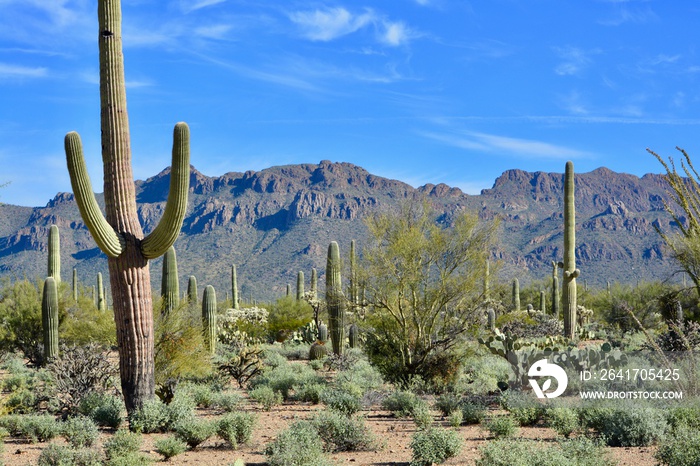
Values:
[(75, 285), (556, 308), (491, 319), (170, 283), (209, 318), (300, 285), (54, 266), (354, 336), (487, 285), (192, 290), (516, 295), (354, 292), (234, 288), (313, 287), (543, 302), (289, 290), (49, 318), (570, 270), (101, 303), (119, 234), (335, 300)]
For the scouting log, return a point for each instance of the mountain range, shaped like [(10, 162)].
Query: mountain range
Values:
[(277, 221)]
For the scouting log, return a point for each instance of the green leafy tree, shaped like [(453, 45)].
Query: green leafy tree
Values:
[(288, 314), (424, 280)]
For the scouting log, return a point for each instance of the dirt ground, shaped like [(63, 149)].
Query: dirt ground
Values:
[(395, 435)]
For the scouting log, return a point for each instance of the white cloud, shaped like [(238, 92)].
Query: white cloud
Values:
[(331, 23), (17, 71), (574, 59), (396, 33), (217, 31), (189, 6)]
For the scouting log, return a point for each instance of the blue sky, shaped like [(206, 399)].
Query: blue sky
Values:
[(424, 91)]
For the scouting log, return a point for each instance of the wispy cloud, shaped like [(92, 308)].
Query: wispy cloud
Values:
[(215, 31), (188, 6), (483, 142), (574, 60), (331, 23), (624, 11), (18, 71), (395, 33)]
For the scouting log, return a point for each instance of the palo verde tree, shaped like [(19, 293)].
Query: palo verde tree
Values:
[(685, 192), (423, 282), (119, 234)]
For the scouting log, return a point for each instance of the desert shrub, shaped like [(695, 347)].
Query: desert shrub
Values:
[(79, 371), (287, 314), (80, 431), (310, 392), (194, 431), (122, 443), (680, 336), (266, 396), (520, 452), (60, 455), (285, 376), (27, 387), (448, 403), (626, 425), (535, 325), (201, 394), (235, 428), (341, 401), (434, 446), (481, 373), (170, 446), (687, 414), (342, 433), (422, 416), (682, 448), (473, 413), (358, 372), (299, 445), (35, 427), (241, 364), (564, 421), (525, 410), (83, 323), (402, 403), (132, 459), (317, 364), (20, 314), (242, 327), (501, 426), (151, 417), (226, 401), (106, 410), (455, 418)]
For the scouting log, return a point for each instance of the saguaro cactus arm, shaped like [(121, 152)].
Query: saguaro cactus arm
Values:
[(106, 238), (166, 232)]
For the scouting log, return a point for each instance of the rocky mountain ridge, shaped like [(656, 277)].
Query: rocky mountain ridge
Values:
[(276, 221)]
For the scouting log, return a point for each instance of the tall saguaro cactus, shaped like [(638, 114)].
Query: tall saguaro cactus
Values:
[(192, 289), (300, 285), (234, 288), (314, 282), (49, 318), (335, 299), (54, 269), (354, 292), (101, 303), (119, 234), (570, 270), (209, 318), (75, 285), (516, 295), (170, 283)]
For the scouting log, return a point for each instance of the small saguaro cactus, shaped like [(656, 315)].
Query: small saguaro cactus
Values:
[(192, 289), (289, 290), (234, 288), (54, 266), (119, 234), (516, 295), (322, 332), (555, 289), (354, 336), (491, 319), (335, 299), (170, 285), (354, 291), (300, 285), (75, 285), (209, 318), (570, 270), (319, 349), (49, 318), (314, 282), (543, 302), (101, 303)]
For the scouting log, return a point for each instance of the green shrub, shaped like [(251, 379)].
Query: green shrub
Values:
[(60, 455), (680, 449), (448, 403), (105, 410), (310, 392), (316, 364), (20, 312), (131, 459), (287, 315), (341, 401), (501, 426), (455, 418), (37, 427), (80, 431), (236, 428), (564, 421), (122, 443), (194, 431), (342, 433), (402, 403), (299, 445), (481, 374), (525, 410), (226, 401), (521, 452), (434, 445), (284, 377), (473, 413), (169, 447), (422, 416), (150, 418), (627, 425), (266, 396)]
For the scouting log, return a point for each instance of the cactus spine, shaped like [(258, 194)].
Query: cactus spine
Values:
[(75, 285), (101, 303), (300, 285), (335, 300), (314, 282), (49, 318), (234, 288), (192, 289), (516, 295), (570, 270), (54, 269), (169, 285), (119, 235), (209, 318)]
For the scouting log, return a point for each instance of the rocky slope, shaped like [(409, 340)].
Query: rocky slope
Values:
[(277, 221)]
